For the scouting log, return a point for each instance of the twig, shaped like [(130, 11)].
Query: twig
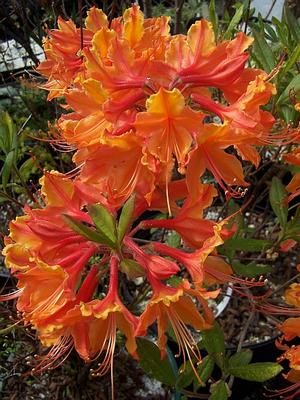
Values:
[(241, 340)]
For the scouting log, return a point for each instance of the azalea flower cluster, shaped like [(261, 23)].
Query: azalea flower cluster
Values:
[(149, 115)]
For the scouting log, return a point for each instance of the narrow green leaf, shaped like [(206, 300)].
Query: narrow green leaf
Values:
[(293, 58), (257, 372), (293, 88), (152, 364), (251, 270), (7, 168), (292, 23), (204, 370), (219, 391), (213, 16), (243, 244), (278, 194), (7, 133), (282, 31), (263, 51), (86, 232), (213, 341), (126, 218), (242, 357), (26, 169), (271, 32), (234, 21), (104, 222)]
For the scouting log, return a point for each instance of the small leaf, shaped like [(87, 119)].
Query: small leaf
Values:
[(251, 270), (131, 268), (213, 341), (84, 231), (277, 196), (242, 357), (234, 21), (293, 88), (204, 369), (26, 169), (126, 218), (244, 244), (257, 372), (152, 364), (104, 222), (219, 391), (173, 239), (7, 168)]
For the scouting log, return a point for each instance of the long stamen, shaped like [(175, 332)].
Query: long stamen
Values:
[(186, 342)]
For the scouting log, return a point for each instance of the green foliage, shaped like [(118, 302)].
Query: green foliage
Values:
[(214, 343), (152, 364), (105, 223), (278, 195), (257, 372), (219, 391), (126, 218)]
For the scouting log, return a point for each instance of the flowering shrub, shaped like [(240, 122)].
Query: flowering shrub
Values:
[(154, 119)]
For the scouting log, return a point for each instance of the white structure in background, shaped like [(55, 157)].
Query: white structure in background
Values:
[(264, 6), (14, 57)]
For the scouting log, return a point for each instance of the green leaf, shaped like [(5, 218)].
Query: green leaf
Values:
[(26, 169), (126, 218), (234, 21), (219, 391), (7, 133), (105, 223), (263, 52), (293, 88), (213, 341), (204, 369), (186, 377), (85, 231), (213, 16), (243, 244), (251, 270), (257, 372), (293, 58), (173, 239), (277, 196), (240, 358), (7, 168), (131, 268), (152, 364), (292, 23)]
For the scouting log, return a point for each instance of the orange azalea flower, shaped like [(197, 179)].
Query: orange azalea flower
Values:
[(63, 52), (193, 262), (292, 295), (203, 63), (116, 169), (93, 326), (294, 185), (172, 305), (168, 126), (189, 222)]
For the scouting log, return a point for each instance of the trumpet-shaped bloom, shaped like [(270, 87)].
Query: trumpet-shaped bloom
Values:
[(172, 305)]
